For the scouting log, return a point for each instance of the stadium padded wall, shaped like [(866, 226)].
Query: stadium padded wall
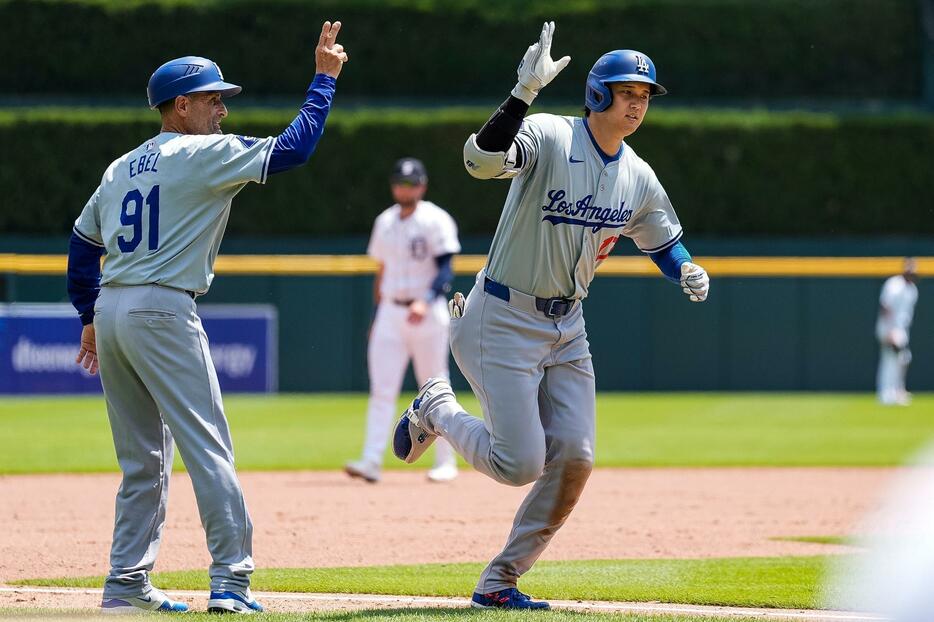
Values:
[(810, 334)]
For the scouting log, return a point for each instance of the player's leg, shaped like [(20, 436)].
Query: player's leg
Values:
[(501, 351), (902, 395), (887, 375), (172, 358), (144, 451), (387, 358), (430, 349), (568, 404)]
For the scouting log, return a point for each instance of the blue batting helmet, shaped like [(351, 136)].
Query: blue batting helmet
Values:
[(188, 74), (618, 66)]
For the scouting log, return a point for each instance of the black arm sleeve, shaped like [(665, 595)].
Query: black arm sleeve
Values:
[(499, 131)]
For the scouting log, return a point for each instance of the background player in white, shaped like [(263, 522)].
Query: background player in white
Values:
[(159, 214), (414, 242), (896, 310), (520, 339)]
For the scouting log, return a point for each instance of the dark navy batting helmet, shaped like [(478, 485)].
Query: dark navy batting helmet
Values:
[(618, 66), (188, 74), (409, 171)]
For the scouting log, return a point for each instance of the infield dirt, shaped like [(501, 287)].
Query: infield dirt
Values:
[(60, 525)]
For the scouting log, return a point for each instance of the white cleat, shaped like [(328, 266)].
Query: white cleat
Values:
[(154, 600), (363, 469), (443, 473)]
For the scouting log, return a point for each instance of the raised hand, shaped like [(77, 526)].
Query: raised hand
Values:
[(330, 55), (537, 68), (694, 282)]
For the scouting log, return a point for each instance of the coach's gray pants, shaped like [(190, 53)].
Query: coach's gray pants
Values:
[(534, 379), (159, 383)]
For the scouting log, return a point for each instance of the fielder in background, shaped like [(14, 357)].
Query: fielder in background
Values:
[(414, 242), (896, 310), (519, 339), (159, 214)]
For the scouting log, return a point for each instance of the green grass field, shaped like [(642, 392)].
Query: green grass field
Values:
[(790, 582), (322, 431)]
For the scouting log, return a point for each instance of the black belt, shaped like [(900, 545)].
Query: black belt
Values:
[(551, 307), (403, 303)]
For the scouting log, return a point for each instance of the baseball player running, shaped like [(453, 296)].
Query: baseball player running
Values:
[(520, 339), (413, 241), (896, 310), (159, 214)]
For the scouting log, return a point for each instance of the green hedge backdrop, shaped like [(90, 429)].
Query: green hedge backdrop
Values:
[(735, 49), (727, 172)]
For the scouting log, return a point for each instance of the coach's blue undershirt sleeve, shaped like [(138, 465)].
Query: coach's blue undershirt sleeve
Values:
[(298, 141), (442, 283), (669, 261), (84, 276)]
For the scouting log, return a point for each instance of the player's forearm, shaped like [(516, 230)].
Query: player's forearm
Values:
[(441, 284), (84, 276), (298, 141), (669, 261), (377, 284), (501, 129), (495, 152)]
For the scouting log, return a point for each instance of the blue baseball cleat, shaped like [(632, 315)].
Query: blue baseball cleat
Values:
[(154, 600), (233, 602), (411, 437), (506, 599)]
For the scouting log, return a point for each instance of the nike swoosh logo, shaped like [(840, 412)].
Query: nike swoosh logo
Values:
[(148, 599), (573, 161)]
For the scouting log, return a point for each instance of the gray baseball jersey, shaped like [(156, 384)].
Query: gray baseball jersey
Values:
[(531, 371), (161, 209), (567, 208)]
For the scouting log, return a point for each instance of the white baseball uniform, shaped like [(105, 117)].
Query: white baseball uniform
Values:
[(897, 302), (406, 248)]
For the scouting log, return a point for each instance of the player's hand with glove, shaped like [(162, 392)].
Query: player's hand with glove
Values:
[(694, 281), (330, 55), (537, 68)]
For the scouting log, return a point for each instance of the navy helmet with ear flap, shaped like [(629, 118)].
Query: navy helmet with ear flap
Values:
[(618, 66), (188, 74)]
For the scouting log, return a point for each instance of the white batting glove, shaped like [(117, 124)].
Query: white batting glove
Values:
[(537, 69), (456, 305), (694, 281)]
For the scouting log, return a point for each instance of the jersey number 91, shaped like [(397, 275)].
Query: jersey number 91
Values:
[(134, 201)]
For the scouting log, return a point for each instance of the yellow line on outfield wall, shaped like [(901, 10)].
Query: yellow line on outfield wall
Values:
[(346, 265)]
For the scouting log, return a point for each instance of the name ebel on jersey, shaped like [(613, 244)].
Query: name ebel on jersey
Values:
[(583, 214)]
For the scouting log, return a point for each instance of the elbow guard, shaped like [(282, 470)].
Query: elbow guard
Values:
[(487, 164)]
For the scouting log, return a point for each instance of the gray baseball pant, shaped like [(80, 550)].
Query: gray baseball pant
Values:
[(534, 378), (160, 384)]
